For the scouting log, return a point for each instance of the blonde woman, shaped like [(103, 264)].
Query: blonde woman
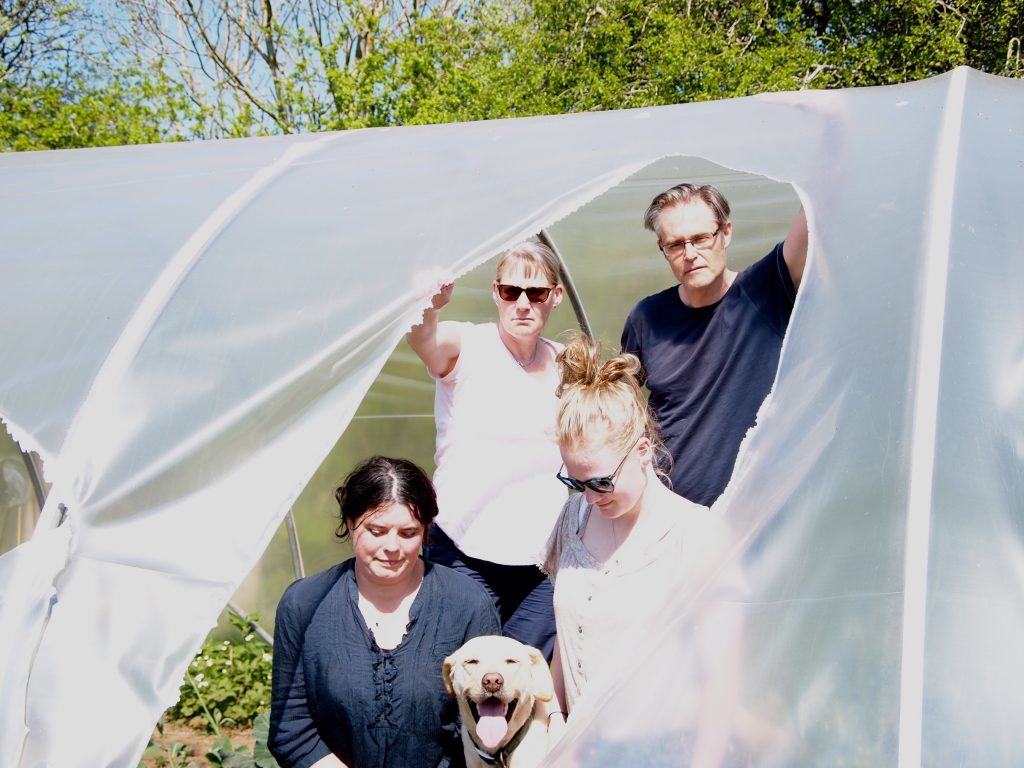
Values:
[(625, 543)]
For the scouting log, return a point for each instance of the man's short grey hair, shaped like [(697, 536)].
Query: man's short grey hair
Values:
[(535, 256), (684, 194)]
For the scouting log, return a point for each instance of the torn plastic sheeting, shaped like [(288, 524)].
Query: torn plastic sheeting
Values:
[(268, 327)]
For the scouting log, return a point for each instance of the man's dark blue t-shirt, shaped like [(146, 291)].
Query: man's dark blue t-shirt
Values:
[(709, 369)]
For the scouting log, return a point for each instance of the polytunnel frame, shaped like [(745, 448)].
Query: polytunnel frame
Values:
[(31, 462), (33, 474)]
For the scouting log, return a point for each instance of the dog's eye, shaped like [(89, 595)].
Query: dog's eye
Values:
[(511, 661), (469, 662)]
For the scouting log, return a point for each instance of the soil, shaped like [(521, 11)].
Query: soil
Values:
[(196, 743)]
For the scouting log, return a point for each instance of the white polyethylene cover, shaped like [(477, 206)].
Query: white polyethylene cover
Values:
[(187, 328)]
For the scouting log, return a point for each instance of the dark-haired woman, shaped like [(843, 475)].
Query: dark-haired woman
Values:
[(358, 648)]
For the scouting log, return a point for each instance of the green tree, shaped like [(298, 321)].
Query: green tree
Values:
[(34, 34), (552, 56), (218, 68), (72, 110), (879, 43), (57, 92), (276, 66), (456, 69), (602, 54)]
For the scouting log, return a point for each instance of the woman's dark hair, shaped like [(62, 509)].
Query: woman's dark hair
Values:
[(380, 481)]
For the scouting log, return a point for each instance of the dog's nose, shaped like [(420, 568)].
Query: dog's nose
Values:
[(493, 682)]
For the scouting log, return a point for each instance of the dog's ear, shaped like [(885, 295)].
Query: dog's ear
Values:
[(543, 684), (446, 674)]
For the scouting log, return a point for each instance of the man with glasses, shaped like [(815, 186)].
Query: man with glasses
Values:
[(710, 345)]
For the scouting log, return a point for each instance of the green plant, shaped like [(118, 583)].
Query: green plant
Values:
[(171, 756), (174, 755), (227, 683), (227, 755)]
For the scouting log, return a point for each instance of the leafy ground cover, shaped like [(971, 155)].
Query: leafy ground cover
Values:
[(222, 715), (177, 745)]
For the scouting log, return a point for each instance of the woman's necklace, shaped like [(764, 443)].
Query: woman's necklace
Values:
[(529, 362), (617, 542)]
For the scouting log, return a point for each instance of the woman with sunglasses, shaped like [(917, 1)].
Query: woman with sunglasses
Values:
[(494, 407), (625, 542)]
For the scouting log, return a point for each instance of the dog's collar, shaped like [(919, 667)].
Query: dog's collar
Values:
[(500, 758)]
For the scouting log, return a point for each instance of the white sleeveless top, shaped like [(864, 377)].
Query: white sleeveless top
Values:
[(496, 453)]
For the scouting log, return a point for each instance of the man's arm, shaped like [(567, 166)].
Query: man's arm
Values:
[(437, 344), (794, 249)]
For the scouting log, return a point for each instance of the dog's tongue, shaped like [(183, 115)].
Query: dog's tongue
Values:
[(491, 727)]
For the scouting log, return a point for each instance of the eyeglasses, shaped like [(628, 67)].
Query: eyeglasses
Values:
[(513, 292), (596, 484), (702, 242)]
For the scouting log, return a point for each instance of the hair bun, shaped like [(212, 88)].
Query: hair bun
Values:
[(581, 365), (603, 401), (624, 366)]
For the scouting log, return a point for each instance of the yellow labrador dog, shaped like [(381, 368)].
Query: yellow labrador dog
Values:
[(503, 688)]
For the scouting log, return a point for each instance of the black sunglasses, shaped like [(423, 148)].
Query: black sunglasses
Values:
[(513, 292), (596, 484)]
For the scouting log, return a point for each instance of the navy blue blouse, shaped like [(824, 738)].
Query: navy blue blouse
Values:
[(335, 690)]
